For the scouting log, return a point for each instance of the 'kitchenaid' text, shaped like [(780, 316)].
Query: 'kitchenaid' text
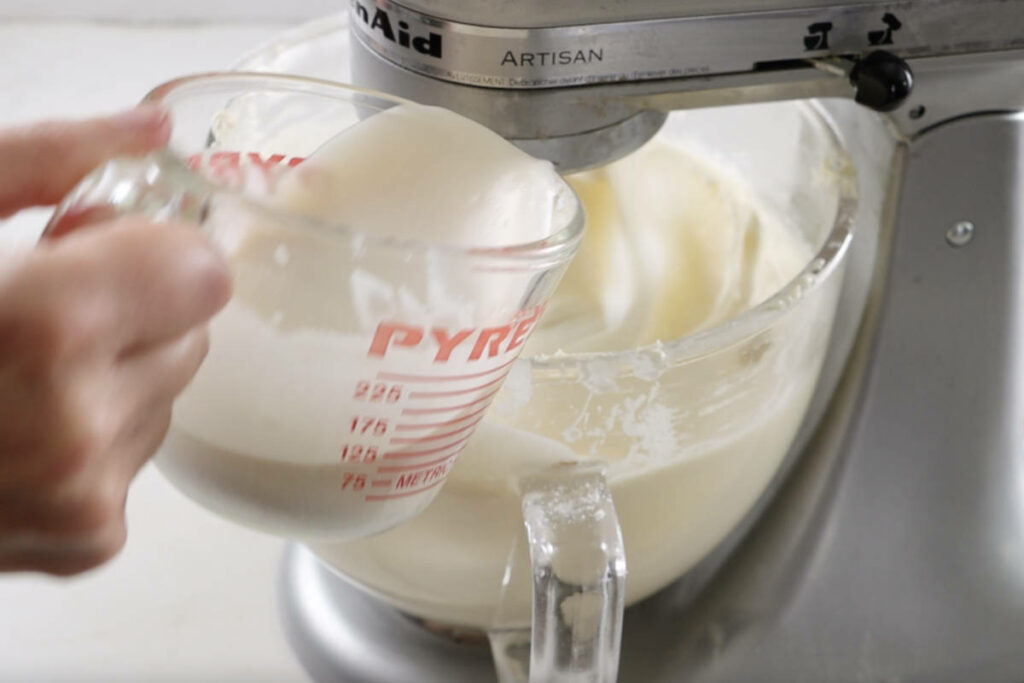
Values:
[(380, 22)]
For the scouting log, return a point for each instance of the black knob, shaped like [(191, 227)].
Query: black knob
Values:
[(883, 81)]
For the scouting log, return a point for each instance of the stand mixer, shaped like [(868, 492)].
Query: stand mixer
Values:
[(890, 547)]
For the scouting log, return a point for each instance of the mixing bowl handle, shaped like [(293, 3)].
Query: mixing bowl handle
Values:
[(157, 185), (579, 571)]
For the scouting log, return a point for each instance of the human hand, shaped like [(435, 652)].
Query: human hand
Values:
[(99, 332)]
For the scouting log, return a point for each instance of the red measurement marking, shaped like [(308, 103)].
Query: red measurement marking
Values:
[(378, 483), (439, 394), (448, 409), (433, 451), (410, 468), (406, 493), (446, 423), (438, 378), (437, 437)]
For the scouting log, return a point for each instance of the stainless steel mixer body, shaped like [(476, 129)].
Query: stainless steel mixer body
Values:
[(893, 547), (583, 83)]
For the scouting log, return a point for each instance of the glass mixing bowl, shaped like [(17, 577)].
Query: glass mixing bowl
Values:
[(690, 431)]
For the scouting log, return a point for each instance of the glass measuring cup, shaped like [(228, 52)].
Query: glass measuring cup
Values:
[(689, 432), (349, 370)]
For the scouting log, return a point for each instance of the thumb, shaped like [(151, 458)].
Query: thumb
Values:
[(40, 163)]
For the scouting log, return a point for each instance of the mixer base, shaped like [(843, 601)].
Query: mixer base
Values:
[(340, 633)]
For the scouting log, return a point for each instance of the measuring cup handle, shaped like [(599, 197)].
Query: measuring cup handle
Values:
[(157, 185), (579, 571)]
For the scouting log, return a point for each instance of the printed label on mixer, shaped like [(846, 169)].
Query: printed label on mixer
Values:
[(559, 58), (884, 36), (398, 32), (564, 54), (817, 36)]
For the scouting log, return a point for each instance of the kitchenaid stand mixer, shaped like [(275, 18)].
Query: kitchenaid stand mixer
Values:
[(894, 548)]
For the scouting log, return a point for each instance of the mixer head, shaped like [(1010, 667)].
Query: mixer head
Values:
[(582, 83)]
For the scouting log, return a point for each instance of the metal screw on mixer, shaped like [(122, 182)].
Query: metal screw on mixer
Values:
[(960, 234)]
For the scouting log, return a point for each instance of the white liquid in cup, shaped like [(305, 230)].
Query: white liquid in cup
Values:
[(339, 390)]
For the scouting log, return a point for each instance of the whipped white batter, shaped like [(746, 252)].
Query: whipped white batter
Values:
[(671, 248)]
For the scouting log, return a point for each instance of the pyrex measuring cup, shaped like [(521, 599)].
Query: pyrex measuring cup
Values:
[(348, 371)]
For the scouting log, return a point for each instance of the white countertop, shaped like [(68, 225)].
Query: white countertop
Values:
[(191, 598)]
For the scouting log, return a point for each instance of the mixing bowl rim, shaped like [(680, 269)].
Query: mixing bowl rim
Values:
[(819, 269)]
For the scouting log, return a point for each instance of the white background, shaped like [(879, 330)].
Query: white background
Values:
[(144, 11)]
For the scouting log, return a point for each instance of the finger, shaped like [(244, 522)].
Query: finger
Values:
[(146, 386), (79, 216), (60, 555), (81, 508), (161, 374), (163, 370), (42, 162), (48, 434), (143, 440), (133, 283), (54, 422)]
